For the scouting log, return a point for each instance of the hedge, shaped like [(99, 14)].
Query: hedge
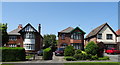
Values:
[(69, 51), (13, 53), (70, 58), (47, 54)]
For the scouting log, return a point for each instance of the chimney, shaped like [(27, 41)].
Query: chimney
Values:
[(39, 28), (20, 26)]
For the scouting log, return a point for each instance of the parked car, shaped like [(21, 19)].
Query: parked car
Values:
[(59, 51), (112, 51), (40, 52)]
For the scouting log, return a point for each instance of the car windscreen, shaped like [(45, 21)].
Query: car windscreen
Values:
[(60, 49)]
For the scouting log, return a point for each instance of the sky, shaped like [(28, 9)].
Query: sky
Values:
[(56, 16)]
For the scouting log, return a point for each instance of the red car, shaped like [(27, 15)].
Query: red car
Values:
[(59, 51), (112, 51)]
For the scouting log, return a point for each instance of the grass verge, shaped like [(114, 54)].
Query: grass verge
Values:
[(93, 63)]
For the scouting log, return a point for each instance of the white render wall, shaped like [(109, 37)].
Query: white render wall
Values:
[(104, 31), (29, 41), (118, 39)]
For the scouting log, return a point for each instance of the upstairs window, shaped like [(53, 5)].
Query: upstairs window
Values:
[(109, 36), (13, 38), (76, 36), (63, 36), (99, 36), (29, 35)]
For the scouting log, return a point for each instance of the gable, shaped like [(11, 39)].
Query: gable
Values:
[(28, 28), (77, 29), (107, 29)]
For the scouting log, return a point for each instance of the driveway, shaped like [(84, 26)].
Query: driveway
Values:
[(113, 58)]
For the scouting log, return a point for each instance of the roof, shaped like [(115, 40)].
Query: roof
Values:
[(70, 29), (14, 32), (28, 25), (110, 43), (96, 30), (67, 30), (118, 32)]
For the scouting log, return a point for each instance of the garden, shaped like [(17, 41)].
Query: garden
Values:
[(91, 52)]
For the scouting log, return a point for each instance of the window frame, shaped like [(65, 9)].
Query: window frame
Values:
[(109, 37)]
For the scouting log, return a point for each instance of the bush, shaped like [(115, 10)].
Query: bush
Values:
[(94, 57), (69, 51), (82, 56), (104, 58), (69, 58), (78, 51), (47, 54), (13, 53), (91, 48)]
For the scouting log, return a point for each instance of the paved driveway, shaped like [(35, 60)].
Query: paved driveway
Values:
[(113, 58)]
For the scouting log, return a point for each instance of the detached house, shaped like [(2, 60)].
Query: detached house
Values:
[(118, 38), (71, 36), (103, 33), (27, 37)]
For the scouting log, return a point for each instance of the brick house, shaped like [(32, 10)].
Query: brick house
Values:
[(118, 38), (103, 34), (71, 36), (27, 37)]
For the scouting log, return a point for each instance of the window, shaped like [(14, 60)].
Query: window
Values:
[(109, 36), (63, 36), (76, 36), (29, 35), (13, 38), (99, 36), (29, 46), (77, 45), (12, 45)]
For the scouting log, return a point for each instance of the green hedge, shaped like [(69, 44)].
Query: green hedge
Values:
[(47, 54), (69, 51), (70, 58), (13, 53)]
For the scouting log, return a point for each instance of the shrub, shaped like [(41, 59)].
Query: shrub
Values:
[(91, 48), (78, 51), (69, 58), (47, 54), (94, 57), (104, 58), (82, 56), (13, 53), (69, 51)]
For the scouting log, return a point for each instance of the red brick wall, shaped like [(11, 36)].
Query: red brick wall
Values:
[(68, 39), (19, 40), (38, 42)]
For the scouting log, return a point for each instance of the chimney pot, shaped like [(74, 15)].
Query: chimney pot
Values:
[(20, 26)]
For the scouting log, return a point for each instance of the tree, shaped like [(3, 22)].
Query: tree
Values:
[(49, 40), (91, 48), (3, 30)]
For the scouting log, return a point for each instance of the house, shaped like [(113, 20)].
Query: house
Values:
[(71, 36), (103, 34), (118, 38), (27, 37)]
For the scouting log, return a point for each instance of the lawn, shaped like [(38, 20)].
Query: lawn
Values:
[(93, 63)]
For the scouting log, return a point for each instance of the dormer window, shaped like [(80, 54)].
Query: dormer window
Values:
[(99, 36), (109, 36)]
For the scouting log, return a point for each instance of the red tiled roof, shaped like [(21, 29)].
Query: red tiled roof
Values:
[(118, 32)]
